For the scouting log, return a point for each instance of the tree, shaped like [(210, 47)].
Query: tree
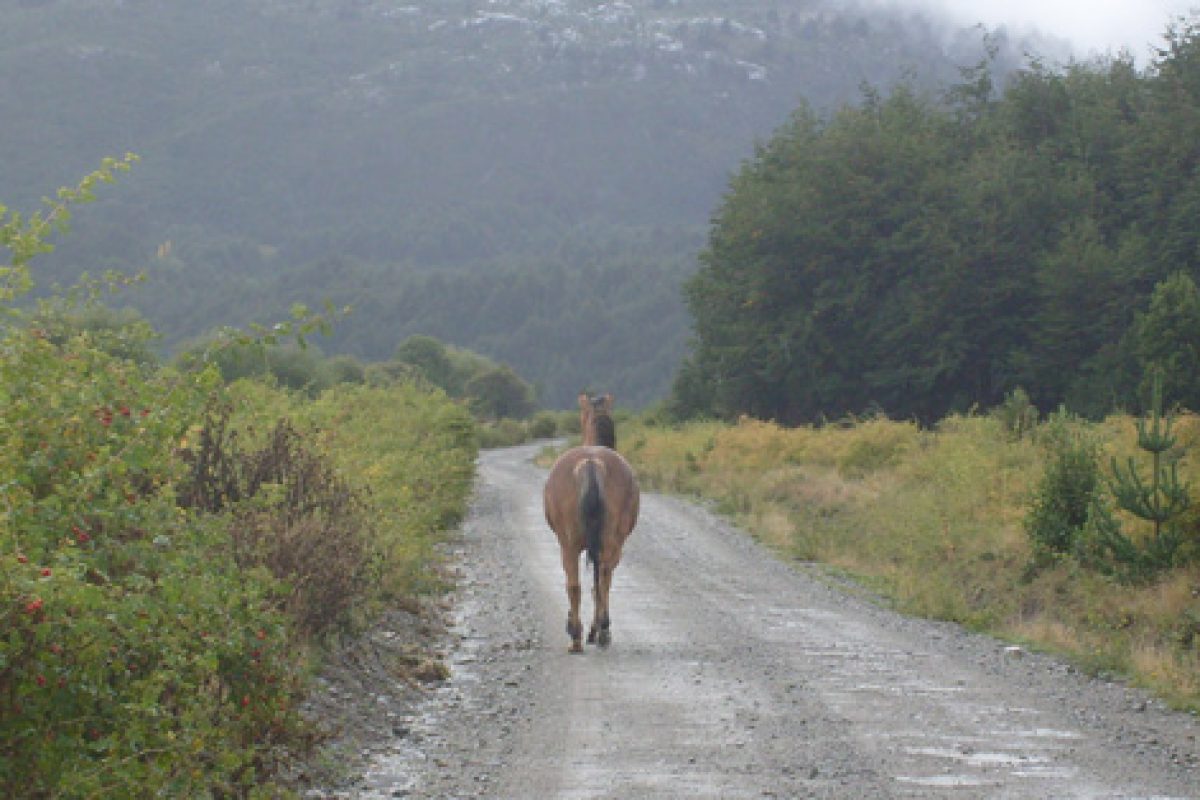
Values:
[(1166, 341), (1162, 500), (1082, 298), (499, 393), (429, 356)]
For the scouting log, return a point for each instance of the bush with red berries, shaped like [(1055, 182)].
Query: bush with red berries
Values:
[(161, 584), (135, 652)]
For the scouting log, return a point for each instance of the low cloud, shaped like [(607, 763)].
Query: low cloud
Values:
[(1091, 26)]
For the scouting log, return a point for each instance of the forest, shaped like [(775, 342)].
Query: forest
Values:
[(918, 253), (421, 160)]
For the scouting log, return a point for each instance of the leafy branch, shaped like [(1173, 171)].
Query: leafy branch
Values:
[(26, 237)]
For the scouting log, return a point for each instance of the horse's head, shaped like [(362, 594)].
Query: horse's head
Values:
[(595, 420)]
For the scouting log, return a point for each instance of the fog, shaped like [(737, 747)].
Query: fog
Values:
[(1091, 26)]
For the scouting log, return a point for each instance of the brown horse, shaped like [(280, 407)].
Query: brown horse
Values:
[(591, 499)]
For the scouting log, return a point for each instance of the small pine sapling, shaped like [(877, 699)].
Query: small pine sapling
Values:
[(1161, 499)]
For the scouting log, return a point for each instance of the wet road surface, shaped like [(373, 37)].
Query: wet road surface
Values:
[(733, 675)]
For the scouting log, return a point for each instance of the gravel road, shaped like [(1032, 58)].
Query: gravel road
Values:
[(734, 675)]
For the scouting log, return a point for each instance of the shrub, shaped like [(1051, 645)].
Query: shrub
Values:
[(499, 393), (137, 657), (1068, 489), (875, 445), (291, 514), (414, 448), (1017, 414), (144, 650), (502, 433), (544, 425)]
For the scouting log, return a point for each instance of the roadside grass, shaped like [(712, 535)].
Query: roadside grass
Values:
[(933, 520)]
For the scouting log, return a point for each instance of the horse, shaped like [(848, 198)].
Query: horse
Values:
[(591, 501)]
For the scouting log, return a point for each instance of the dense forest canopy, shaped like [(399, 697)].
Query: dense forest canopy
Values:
[(923, 253), (358, 149)]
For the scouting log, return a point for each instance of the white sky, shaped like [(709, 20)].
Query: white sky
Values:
[(1092, 26)]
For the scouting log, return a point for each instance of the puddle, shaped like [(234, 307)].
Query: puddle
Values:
[(906, 689), (946, 781), (977, 759), (1043, 733)]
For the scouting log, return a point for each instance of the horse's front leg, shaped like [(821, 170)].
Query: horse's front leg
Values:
[(574, 595)]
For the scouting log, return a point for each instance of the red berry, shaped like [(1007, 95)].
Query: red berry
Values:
[(84, 537), (56, 649), (46, 573), (33, 606), (41, 680), (245, 700), (124, 411), (22, 559)]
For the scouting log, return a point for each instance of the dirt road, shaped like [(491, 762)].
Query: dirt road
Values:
[(732, 675)]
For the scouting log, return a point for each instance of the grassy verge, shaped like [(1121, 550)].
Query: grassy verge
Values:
[(934, 521)]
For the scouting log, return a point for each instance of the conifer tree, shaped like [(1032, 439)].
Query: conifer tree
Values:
[(1161, 499)]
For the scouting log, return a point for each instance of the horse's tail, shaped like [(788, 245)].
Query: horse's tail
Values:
[(591, 511)]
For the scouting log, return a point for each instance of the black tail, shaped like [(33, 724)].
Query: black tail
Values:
[(591, 510)]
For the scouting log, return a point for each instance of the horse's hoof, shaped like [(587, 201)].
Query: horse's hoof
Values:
[(592, 636), (605, 638), (576, 647)]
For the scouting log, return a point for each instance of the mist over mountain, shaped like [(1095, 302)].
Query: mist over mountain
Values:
[(527, 178)]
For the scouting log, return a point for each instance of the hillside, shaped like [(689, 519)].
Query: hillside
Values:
[(356, 147)]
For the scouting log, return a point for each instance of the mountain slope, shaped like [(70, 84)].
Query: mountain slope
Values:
[(413, 136)]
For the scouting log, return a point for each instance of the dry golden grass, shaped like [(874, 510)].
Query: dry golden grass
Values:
[(1048, 633), (934, 519)]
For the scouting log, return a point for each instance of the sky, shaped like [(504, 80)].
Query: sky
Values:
[(1092, 26)]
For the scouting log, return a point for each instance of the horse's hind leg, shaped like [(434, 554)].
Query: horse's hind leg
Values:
[(599, 633), (574, 595), (597, 605)]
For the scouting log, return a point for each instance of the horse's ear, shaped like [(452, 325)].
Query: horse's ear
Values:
[(608, 403), (583, 401)]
